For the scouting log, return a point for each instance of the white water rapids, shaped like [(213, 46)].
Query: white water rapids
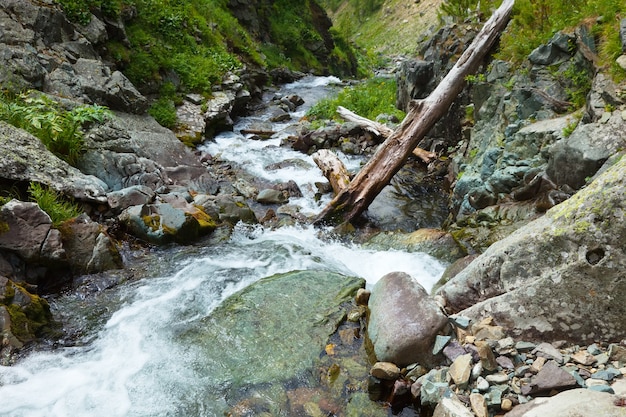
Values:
[(134, 364)]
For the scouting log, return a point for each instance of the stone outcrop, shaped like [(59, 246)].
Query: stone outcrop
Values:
[(558, 278), (403, 321), (25, 159), (42, 50)]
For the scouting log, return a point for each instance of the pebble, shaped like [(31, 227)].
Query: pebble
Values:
[(385, 370), (506, 405), (479, 405), (482, 384), (460, 321), (440, 343), (548, 351), (493, 375), (460, 370), (499, 378)]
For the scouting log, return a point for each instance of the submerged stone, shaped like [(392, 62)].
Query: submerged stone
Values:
[(270, 333)]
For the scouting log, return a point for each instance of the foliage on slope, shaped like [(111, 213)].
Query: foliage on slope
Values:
[(192, 43)]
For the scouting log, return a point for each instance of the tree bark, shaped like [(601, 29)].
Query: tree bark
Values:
[(389, 158), (333, 169)]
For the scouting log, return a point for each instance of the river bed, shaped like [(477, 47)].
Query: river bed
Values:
[(129, 359)]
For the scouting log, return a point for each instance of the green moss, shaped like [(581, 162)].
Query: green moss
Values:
[(152, 222), (29, 321), (4, 227)]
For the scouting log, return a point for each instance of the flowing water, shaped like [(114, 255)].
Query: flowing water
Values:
[(130, 358)]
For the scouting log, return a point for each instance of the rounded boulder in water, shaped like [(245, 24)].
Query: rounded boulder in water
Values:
[(404, 320)]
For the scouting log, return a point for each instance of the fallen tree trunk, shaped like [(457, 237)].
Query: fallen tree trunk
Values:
[(333, 169), (376, 174), (380, 129)]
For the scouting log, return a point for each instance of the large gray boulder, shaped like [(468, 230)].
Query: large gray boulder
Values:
[(578, 402), (135, 150), (404, 321), (561, 276), (26, 159), (576, 158)]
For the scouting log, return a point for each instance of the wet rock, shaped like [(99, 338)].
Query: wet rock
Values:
[(23, 316), (162, 223), (404, 320), (271, 196), (385, 370), (362, 297), (436, 243), (549, 378), (130, 196), (271, 324)]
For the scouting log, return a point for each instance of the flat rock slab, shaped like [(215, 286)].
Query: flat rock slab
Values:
[(578, 402)]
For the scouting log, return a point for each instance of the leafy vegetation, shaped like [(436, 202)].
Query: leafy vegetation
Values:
[(368, 99), (193, 43), (58, 208), (536, 21), (58, 128)]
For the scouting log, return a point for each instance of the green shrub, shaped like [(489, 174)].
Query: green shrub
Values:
[(164, 112), (59, 129), (368, 99), (58, 208)]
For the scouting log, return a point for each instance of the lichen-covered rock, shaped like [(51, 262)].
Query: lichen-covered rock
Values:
[(26, 159), (404, 321), (578, 157), (162, 223), (135, 150), (558, 278)]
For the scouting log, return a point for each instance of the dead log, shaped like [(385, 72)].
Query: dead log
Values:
[(333, 169), (262, 133), (391, 155), (376, 128), (380, 129)]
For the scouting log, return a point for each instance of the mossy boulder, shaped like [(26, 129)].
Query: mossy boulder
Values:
[(561, 276), (437, 243), (162, 223), (266, 338), (28, 315)]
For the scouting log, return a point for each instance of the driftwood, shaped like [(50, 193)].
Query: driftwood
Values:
[(391, 155), (333, 169), (380, 129), (262, 133)]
